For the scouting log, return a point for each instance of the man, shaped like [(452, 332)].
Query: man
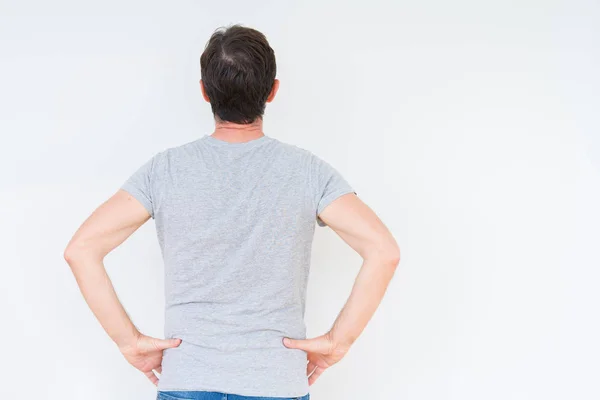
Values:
[(235, 215)]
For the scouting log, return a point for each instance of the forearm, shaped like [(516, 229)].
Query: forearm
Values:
[(367, 292), (99, 293)]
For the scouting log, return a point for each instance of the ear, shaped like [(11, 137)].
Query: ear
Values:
[(203, 91), (274, 90)]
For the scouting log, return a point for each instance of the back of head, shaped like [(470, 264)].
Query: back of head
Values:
[(238, 71)]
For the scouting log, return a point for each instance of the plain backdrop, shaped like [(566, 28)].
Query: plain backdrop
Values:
[(471, 127)]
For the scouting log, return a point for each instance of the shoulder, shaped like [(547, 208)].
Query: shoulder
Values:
[(306, 160), (174, 154), (180, 149), (296, 152)]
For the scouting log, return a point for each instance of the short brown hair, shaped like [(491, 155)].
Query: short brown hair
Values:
[(238, 70)]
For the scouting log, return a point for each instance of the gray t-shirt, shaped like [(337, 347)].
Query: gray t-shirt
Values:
[(235, 223)]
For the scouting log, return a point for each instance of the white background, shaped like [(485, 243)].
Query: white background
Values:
[(471, 127)]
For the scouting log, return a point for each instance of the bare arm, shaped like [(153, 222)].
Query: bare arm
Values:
[(362, 230), (105, 229)]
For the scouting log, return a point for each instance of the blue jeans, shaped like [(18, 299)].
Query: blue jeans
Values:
[(218, 396)]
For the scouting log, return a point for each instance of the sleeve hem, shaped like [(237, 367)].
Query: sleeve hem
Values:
[(139, 196), (325, 201)]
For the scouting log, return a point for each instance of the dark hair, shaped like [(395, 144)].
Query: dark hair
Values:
[(238, 70)]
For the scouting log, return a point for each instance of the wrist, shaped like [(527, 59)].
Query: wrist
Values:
[(339, 341), (128, 341)]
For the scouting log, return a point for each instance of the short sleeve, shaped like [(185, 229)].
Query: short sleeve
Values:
[(139, 185), (328, 185)]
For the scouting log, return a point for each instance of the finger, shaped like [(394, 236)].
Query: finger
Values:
[(152, 377), (158, 369), (310, 367), (316, 345), (317, 372), (162, 344)]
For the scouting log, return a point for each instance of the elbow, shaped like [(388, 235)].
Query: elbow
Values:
[(392, 255), (77, 251), (71, 253), (386, 253)]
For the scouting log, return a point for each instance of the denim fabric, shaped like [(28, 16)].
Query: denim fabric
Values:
[(192, 395)]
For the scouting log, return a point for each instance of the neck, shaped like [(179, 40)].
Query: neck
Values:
[(238, 133)]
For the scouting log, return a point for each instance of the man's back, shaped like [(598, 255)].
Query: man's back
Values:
[(235, 223)]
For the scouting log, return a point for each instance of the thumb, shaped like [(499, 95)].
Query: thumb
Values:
[(315, 345), (162, 344)]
